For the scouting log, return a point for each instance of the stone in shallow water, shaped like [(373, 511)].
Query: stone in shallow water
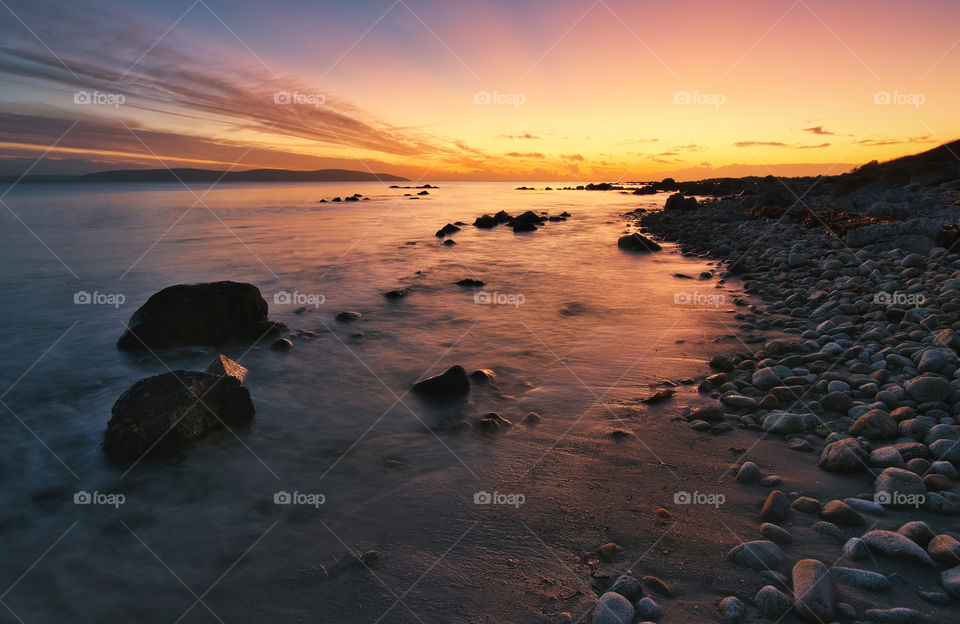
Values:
[(449, 384)]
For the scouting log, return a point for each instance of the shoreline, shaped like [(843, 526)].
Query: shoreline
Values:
[(811, 389)]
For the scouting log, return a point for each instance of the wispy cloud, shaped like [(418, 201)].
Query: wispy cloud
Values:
[(820, 130), (887, 141), (535, 155), (525, 135), (778, 144)]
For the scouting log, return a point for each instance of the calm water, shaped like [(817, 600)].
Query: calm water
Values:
[(595, 324)]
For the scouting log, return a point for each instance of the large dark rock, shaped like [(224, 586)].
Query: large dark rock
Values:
[(679, 202), (160, 414), (637, 242), (485, 221), (450, 384), (210, 314)]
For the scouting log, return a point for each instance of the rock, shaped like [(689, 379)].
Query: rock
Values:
[(875, 425), (397, 293), (638, 243), (209, 314), (447, 230), (281, 344), (658, 585), (799, 444), (864, 579), (950, 579), (945, 549), (766, 378), (805, 504), (772, 603), (738, 401), (758, 555), (840, 513), (784, 423), (855, 549), (721, 362), (628, 587), (827, 528), (775, 533), (161, 414), (450, 384), (612, 608), (836, 401), (223, 365), (946, 450), (347, 316), (899, 488), (531, 419), (731, 610), (933, 361), (845, 455), (607, 551), (483, 375), (468, 282), (897, 615), (865, 506), (775, 508), (813, 591), (749, 473), (937, 483), (918, 532), (485, 222), (648, 609), (928, 388), (896, 546), (709, 413)]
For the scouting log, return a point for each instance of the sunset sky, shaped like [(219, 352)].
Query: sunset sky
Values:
[(538, 90)]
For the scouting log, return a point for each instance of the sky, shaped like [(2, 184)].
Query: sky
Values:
[(585, 91)]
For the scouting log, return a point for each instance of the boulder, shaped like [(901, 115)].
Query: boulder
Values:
[(161, 414), (637, 242), (210, 314), (928, 388), (945, 549), (450, 384), (772, 603), (899, 488)]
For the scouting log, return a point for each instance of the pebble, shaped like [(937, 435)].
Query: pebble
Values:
[(772, 603), (813, 590), (648, 609), (838, 512), (731, 610), (749, 473), (896, 546), (775, 533)]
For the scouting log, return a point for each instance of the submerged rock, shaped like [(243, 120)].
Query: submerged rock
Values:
[(209, 314), (450, 384), (160, 414)]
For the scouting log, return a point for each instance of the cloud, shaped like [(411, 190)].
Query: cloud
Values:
[(577, 157), (689, 148), (536, 155), (525, 135), (819, 130), (186, 84), (778, 144), (886, 141)]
